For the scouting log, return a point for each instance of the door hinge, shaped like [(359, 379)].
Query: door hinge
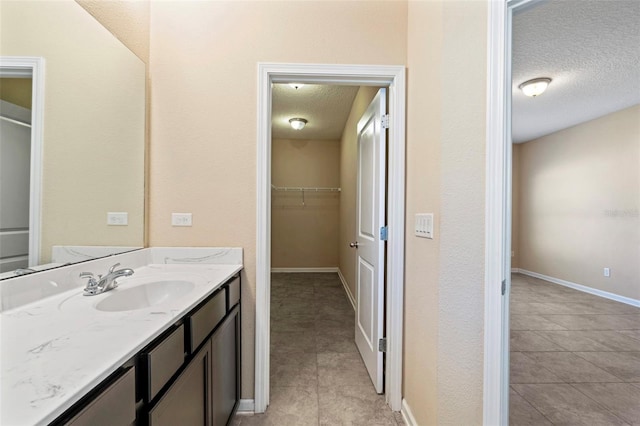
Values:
[(382, 345), (383, 233), (385, 121), (504, 287)]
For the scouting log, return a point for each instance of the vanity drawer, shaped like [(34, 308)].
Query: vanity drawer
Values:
[(234, 293), (206, 318), (163, 361), (116, 405)]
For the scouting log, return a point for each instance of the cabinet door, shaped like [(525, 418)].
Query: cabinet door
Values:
[(188, 400), (116, 405), (224, 369)]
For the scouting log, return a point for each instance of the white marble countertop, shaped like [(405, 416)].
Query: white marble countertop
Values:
[(55, 350)]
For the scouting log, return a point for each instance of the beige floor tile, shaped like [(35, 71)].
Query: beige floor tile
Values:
[(563, 404), (614, 340), (293, 341), (288, 406), (527, 370), (532, 322), (625, 365), (596, 322), (296, 322), (533, 308), (342, 369), (523, 341), (571, 368), (622, 399), (353, 405), (338, 340), (521, 413), (631, 333), (574, 340), (297, 369)]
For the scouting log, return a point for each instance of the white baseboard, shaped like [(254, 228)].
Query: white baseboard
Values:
[(515, 270), (346, 289), (305, 270), (583, 288), (246, 407), (407, 415)]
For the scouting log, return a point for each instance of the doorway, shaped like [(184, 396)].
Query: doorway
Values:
[(562, 305), (20, 227), (394, 78)]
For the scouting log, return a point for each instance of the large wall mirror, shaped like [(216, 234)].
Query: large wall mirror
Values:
[(72, 102)]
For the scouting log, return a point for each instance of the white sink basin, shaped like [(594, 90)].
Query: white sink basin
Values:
[(144, 295)]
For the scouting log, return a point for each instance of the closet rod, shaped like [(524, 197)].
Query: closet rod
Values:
[(309, 189), (11, 120)]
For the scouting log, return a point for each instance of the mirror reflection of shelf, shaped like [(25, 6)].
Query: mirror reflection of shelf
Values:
[(304, 189)]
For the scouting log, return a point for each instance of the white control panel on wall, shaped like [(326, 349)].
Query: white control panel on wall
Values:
[(181, 219), (424, 225), (117, 218)]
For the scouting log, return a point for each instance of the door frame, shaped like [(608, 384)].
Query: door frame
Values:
[(27, 66), (498, 210), (360, 75)]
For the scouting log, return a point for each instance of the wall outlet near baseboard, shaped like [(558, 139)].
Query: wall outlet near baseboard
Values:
[(607, 272)]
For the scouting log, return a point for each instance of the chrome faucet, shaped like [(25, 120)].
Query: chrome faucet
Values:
[(106, 283)]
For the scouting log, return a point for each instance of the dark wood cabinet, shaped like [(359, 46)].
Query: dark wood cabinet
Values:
[(188, 399), (225, 358), (190, 375)]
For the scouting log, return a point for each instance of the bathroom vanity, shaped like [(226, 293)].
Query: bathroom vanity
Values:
[(163, 348)]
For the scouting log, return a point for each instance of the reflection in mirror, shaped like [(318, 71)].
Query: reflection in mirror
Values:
[(72, 184)]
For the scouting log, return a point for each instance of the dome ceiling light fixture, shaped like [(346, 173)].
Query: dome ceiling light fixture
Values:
[(298, 123), (535, 87), (296, 85)]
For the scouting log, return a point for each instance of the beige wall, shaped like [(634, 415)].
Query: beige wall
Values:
[(424, 130), (348, 180), (304, 231), (515, 206), (204, 59), (17, 91), (579, 201), (93, 122)]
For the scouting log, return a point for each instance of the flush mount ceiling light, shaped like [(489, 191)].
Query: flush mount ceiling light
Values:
[(298, 123), (296, 85), (535, 87)]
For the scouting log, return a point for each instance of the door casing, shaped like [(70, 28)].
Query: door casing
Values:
[(23, 66), (498, 210), (394, 77)]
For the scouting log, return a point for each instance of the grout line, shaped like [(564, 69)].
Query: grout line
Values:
[(531, 404), (604, 406)]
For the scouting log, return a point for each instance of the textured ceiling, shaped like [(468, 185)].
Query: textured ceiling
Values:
[(325, 107), (591, 50)]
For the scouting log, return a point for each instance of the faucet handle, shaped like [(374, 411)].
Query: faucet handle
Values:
[(113, 268), (92, 280)]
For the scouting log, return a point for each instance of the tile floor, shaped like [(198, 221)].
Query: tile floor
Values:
[(317, 375), (575, 358)]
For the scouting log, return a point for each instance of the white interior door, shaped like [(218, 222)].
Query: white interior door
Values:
[(370, 247)]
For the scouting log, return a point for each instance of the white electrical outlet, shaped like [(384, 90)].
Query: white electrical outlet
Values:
[(607, 272), (513, 253), (424, 225), (181, 219), (117, 218)]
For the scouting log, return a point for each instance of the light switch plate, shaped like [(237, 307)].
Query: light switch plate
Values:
[(181, 219), (424, 225), (117, 218)]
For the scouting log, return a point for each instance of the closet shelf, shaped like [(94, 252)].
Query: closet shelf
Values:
[(303, 189)]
